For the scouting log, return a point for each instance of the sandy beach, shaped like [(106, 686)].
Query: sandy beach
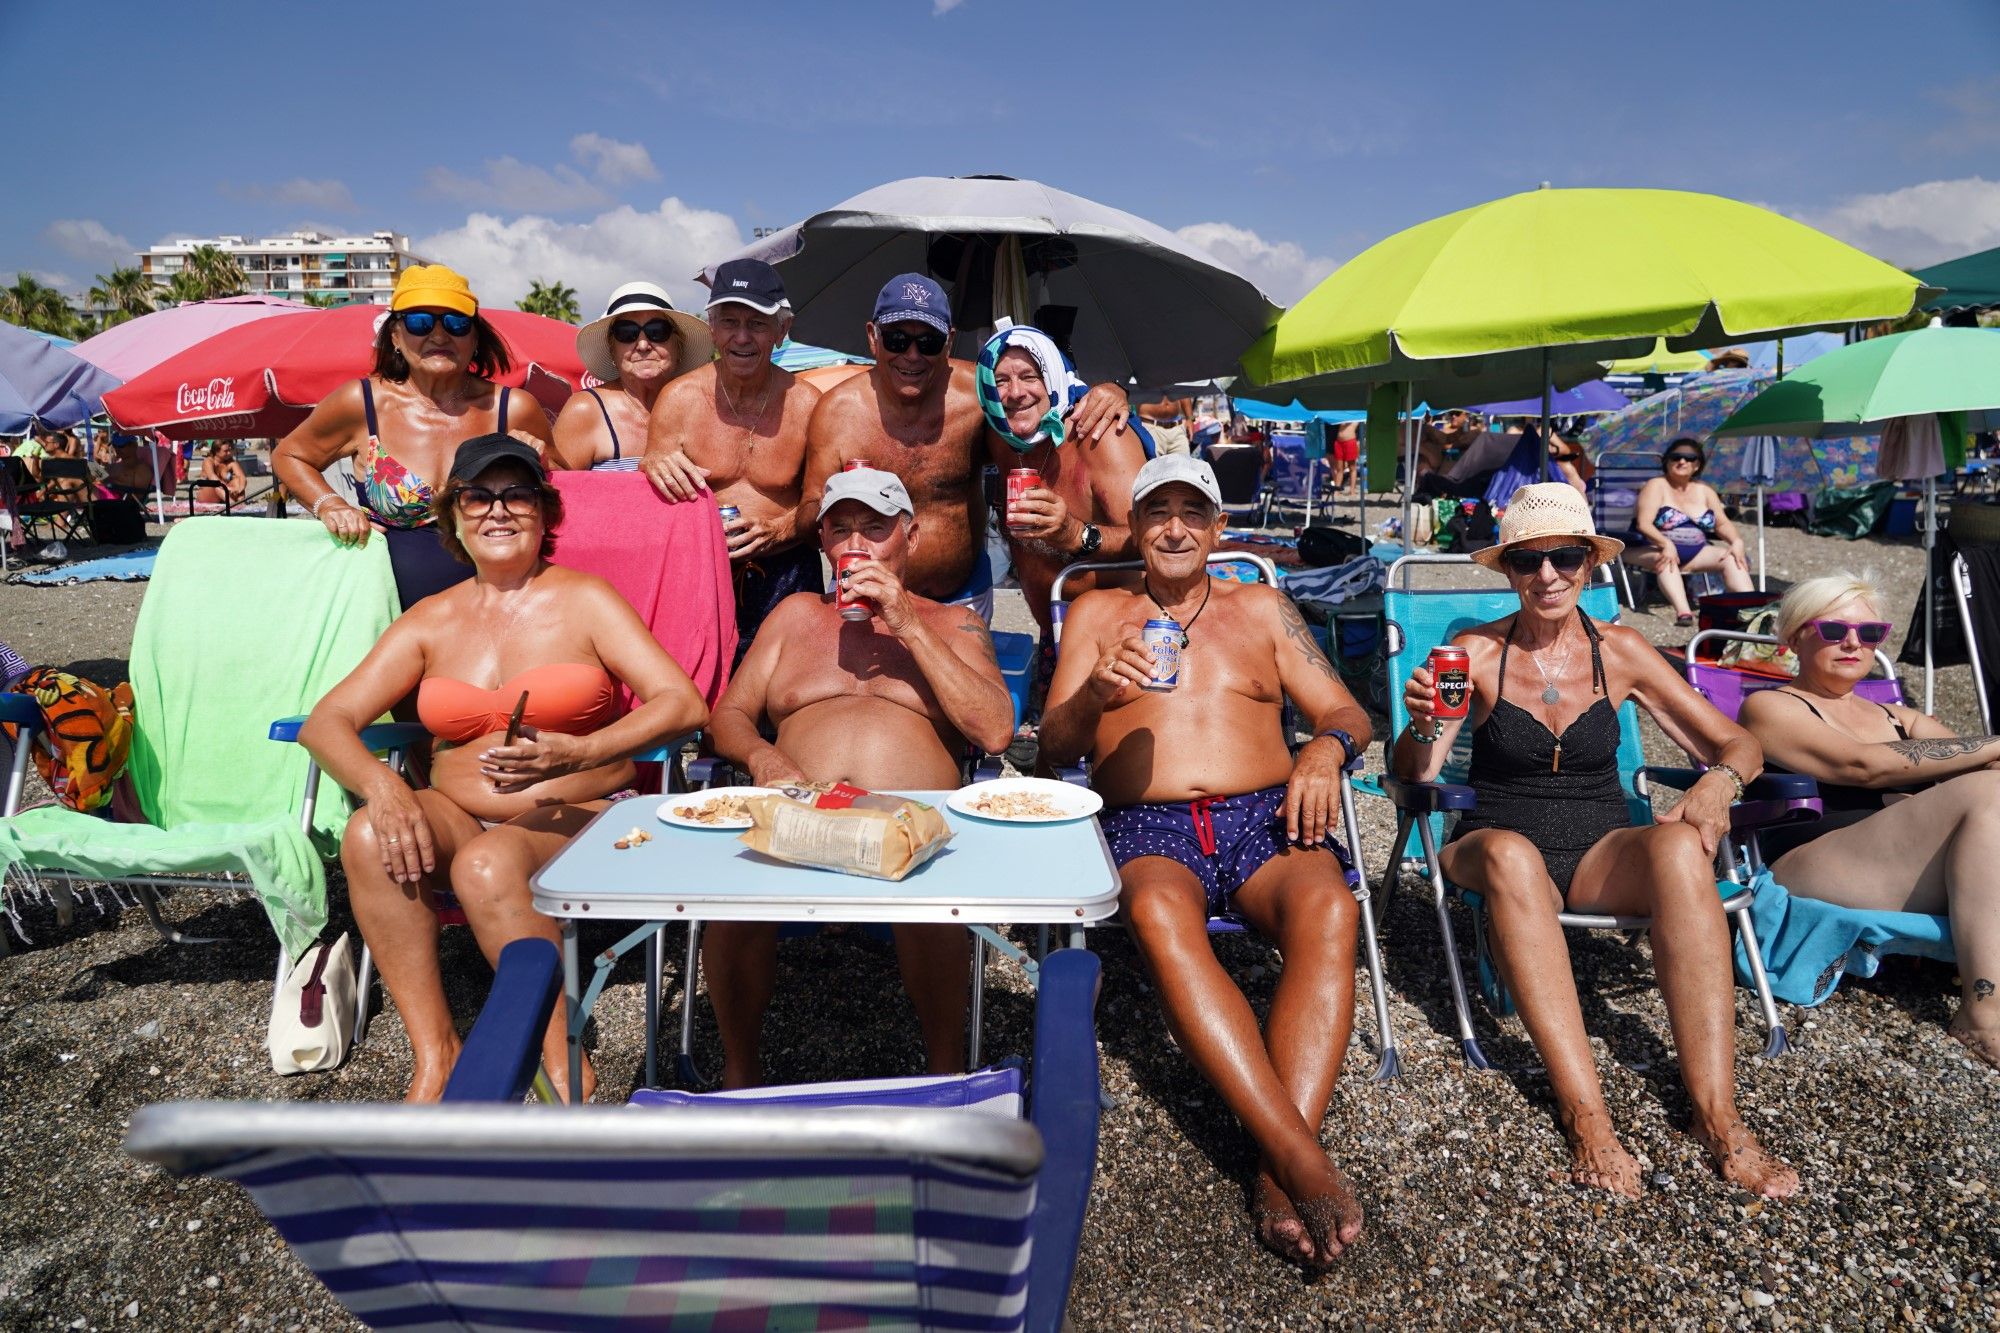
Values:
[(1470, 1222)]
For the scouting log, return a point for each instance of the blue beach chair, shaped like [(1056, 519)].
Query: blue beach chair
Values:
[(832, 1206), (1419, 620)]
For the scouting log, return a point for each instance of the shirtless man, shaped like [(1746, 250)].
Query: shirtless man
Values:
[(916, 413), (734, 433), (640, 345), (886, 703), (1205, 807)]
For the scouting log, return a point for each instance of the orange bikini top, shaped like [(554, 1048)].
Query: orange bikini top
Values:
[(569, 697)]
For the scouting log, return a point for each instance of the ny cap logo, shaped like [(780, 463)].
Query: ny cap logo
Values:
[(917, 294)]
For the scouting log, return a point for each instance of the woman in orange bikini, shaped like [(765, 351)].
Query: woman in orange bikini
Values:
[(495, 811)]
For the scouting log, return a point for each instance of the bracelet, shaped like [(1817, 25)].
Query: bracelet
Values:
[(317, 504), (1420, 737), (1732, 775)]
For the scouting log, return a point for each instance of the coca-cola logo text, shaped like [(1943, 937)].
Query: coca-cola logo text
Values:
[(215, 396)]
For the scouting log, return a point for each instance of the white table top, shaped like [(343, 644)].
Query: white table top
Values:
[(988, 874)]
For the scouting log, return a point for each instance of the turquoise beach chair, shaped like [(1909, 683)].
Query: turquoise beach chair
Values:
[(1419, 620), (929, 1203)]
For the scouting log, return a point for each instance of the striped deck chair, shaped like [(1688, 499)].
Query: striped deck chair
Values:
[(1420, 619), (773, 1211)]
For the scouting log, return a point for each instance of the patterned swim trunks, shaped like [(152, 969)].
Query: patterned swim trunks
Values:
[(1224, 840)]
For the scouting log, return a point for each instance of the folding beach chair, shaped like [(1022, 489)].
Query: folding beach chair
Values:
[(1244, 480), (927, 1205), (1976, 569), (225, 811), (64, 517), (1807, 944), (1249, 568), (1419, 620)]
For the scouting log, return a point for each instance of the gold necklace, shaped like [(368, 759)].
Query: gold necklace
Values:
[(749, 431)]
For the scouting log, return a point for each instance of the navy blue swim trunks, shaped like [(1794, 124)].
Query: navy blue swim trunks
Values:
[(1224, 840)]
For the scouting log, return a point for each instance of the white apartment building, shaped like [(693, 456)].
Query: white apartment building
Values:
[(347, 268)]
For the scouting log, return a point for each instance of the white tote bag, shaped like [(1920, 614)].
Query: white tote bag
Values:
[(312, 1019)]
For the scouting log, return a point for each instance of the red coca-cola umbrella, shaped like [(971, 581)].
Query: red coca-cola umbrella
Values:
[(263, 379)]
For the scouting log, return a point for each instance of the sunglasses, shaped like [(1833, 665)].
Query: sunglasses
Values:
[(1566, 559), (1684, 458), (475, 500), (421, 322), (897, 341), (1869, 632), (656, 330)]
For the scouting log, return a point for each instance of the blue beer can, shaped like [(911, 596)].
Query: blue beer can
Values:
[(1163, 643)]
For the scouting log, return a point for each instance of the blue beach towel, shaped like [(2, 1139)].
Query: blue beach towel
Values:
[(1809, 944), (131, 567)]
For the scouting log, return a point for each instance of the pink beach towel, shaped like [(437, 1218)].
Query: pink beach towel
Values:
[(669, 561)]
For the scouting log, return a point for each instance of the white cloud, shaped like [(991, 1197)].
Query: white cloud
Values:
[(91, 240), (667, 245), (944, 6), (330, 196), (613, 162), (1282, 270), (511, 184), (1918, 224)]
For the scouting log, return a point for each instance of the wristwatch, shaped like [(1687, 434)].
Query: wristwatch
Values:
[(1093, 540), (1347, 745)]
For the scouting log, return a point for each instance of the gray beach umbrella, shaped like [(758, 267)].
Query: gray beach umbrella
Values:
[(1125, 297)]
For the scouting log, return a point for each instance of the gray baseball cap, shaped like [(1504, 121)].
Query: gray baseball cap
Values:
[(881, 491), (1169, 468)]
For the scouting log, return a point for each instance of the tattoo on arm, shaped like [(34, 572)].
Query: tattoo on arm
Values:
[(985, 635), (1302, 638), (1917, 751)]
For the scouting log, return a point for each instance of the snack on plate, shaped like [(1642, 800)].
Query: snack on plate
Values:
[(719, 810), (1016, 805), (837, 827)]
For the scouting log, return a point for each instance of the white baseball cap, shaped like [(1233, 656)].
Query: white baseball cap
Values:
[(881, 491), (1170, 468)]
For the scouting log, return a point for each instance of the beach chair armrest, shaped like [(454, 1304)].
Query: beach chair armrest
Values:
[(380, 736), (1428, 798), (22, 711), (504, 1048), (664, 752), (1774, 798), (1064, 1106), (705, 769)]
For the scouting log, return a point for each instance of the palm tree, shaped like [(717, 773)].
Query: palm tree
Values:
[(34, 305), (182, 287), (124, 293), (218, 272), (322, 300), (551, 299)]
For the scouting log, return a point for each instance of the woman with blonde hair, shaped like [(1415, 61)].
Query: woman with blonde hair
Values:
[(1912, 818)]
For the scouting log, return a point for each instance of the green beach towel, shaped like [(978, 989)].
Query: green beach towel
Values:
[(244, 622)]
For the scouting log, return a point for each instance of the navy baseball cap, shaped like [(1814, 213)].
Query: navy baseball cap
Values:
[(913, 296), (750, 282)]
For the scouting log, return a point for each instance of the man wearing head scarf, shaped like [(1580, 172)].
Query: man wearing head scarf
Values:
[(916, 413)]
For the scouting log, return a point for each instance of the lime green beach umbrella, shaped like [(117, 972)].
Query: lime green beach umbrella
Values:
[(1493, 302), (1659, 361), (1854, 389)]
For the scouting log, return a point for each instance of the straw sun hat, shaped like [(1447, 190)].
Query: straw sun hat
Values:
[(1547, 509)]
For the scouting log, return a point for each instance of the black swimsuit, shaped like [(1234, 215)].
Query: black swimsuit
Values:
[(1560, 793), (1844, 806)]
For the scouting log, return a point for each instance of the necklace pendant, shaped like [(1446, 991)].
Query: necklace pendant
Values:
[(1550, 694)]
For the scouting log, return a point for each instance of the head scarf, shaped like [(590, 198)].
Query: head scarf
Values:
[(1063, 385)]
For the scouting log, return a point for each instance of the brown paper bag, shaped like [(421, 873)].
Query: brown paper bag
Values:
[(837, 827)]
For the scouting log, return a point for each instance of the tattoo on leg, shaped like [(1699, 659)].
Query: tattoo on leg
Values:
[(1982, 989), (1939, 748), (1302, 638)]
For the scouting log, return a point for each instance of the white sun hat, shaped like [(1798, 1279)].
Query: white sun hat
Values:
[(641, 302)]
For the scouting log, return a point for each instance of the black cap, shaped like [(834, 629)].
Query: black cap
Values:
[(483, 451), (750, 282)]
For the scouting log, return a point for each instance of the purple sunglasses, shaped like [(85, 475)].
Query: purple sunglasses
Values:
[(1870, 632)]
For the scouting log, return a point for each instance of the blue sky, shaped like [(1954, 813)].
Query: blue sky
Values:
[(594, 143)]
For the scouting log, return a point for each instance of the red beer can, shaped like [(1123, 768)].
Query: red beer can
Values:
[(1451, 675), (850, 606), (854, 465), (1019, 480)]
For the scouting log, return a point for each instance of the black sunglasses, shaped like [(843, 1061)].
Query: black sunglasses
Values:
[(421, 322), (656, 330), (517, 499), (1870, 632), (1566, 559), (897, 341), (1684, 458)]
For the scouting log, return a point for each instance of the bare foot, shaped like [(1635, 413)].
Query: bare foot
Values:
[(1277, 1222), (432, 1071), (1984, 1043), (1745, 1163), (1598, 1159), (555, 1065), (1325, 1204)]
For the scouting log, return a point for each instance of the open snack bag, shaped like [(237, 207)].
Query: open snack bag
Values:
[(837, 827)]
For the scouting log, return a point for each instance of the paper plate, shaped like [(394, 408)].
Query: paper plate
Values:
[(1067, 799), (680, 810)]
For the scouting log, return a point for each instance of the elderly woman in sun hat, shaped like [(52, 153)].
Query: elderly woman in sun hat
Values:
[(1551, 832), (430, 390), (639, 344)]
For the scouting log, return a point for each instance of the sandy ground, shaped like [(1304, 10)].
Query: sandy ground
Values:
[(1469, 1220)]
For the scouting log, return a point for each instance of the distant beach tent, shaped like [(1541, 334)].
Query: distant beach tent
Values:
[(794, 355), (1139, 301), (1970, 282)]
